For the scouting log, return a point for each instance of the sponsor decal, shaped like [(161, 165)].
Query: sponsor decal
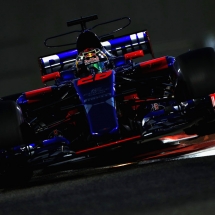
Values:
[(157, 106)]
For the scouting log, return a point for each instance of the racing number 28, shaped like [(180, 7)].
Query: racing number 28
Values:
[(96, 77)]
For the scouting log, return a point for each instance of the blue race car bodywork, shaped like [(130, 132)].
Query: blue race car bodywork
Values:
[(88, 110)]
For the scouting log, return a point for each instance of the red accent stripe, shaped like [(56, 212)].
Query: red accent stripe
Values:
[(133, 55), (154, 65), (131, 96), (108, 144), (50, 77), (41, 91), (33, 101)]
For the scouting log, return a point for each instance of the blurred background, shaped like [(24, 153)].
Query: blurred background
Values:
[(174, 27)]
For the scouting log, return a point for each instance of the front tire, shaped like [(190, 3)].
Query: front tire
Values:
[(196, 74)]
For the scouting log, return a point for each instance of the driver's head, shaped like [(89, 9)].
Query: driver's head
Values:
[(87, 39), (91, 61)]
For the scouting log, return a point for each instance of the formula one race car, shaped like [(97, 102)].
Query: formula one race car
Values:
[(103, 98)]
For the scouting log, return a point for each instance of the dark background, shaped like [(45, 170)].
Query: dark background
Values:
[(180, 187), (174, 27)]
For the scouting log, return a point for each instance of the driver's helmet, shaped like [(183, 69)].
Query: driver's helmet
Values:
[(91, 61)]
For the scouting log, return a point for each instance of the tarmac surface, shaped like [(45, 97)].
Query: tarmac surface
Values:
[(162, 186)]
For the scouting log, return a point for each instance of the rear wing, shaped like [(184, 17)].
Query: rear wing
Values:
[(65, 60)]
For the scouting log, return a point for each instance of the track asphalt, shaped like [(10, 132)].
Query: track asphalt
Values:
[(185, 186)]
